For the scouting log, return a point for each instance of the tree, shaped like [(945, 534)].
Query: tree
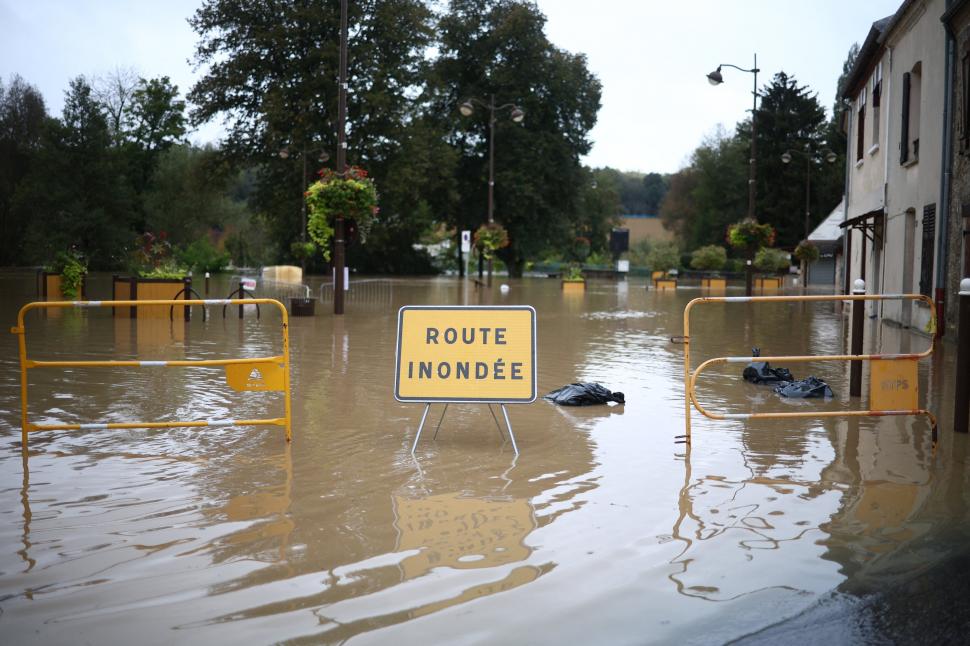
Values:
[(77, 193), (790, 117), (271, 73), (499, 48), (22, 118), (655, 187), (114, 91)]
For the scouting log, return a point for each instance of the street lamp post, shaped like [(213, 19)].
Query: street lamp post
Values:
[(715, 78), (338, 229), (517, 115), (810, 157)]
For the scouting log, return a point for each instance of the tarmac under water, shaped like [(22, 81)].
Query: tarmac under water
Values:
[(603, 530)]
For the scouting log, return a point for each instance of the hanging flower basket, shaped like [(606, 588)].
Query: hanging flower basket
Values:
[(749, 236), (352, 195), (806, 251), (490, 238)]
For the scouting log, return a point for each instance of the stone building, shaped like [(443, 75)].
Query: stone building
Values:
[(956, 21)]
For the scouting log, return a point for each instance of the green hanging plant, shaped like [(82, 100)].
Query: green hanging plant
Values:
[(749, 236), (72, 268), (807, 252), (352, 196), (490, 238)]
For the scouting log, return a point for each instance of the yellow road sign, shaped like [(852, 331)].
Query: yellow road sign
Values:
[(466, 354), (255, 375), (893, 385)]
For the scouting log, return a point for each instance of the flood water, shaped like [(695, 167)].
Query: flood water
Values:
[(604, 530)]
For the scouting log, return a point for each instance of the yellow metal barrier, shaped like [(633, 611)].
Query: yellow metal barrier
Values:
[(690, 379), (256, 374)]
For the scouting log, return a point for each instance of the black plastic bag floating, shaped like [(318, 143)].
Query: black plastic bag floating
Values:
[(584, 394), (760, 372), (808, 388)]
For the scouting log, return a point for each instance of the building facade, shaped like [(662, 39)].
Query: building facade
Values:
[(895, 182)]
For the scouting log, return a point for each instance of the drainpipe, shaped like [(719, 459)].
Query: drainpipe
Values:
[(942, 235), (846, 245)]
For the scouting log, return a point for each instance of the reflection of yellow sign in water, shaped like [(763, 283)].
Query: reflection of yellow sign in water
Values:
[(255, 375), (457, 532), (466, 354), (893, 385)]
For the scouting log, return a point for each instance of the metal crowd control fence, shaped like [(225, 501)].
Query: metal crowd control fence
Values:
[(252, 374), (690, 379)]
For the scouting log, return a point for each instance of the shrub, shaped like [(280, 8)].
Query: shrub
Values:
[(352, 196), (201, 256), (489, 238), (72, 267), (771, 260), (663, 256), (710, 258)]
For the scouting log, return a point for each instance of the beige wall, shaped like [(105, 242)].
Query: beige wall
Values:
[(646, 228), (879, 181)]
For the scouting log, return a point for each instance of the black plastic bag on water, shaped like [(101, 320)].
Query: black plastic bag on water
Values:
[(760, 372), (808, 388), (584, 394)]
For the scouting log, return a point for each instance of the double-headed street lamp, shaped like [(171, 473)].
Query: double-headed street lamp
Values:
[(810, 156), (715, 78), (303, 152), (517, 115)]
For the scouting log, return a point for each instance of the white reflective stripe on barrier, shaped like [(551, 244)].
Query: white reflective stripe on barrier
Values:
[(736, 299), (741, 359), (218, 301), (736, 415), (94, 427), (86, 303), (219, 422), (153, 363)]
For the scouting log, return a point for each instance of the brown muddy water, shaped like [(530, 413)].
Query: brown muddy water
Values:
[(603, 530)]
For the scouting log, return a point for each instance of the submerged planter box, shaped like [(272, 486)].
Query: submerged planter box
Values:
[(767, 283), (573, 286), (129, 288), (713, 283), (49, 287), (665, 283), (302, 306)]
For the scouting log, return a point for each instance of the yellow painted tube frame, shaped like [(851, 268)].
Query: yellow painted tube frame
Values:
[(26, 364), (690, 379)]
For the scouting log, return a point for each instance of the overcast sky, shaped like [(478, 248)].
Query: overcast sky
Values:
[(651, 57)]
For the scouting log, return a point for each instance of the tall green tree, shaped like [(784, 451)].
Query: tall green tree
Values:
[(655, 187), (22, 118), (499, 48), (77, 193), (790, 118), (271, 74)]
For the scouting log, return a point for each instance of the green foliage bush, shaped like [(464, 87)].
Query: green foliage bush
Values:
[(771, 260), (352, 196), (663, 256), (489, 238), (709, 258), (72, 268), (638, 253), (748, 235), (202, 256)]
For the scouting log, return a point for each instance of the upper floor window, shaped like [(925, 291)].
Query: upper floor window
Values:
[(876, 84), (965, 95), (909, 124), (860, 135)]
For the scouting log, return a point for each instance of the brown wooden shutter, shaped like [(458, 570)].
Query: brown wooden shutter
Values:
[(904, 124), (929, 245)]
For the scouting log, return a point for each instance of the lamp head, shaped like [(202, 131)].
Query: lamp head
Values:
[(830, 157), (715, 78), (786, 157), (284, 152), (324, 156), (517, 114), (466, 109)]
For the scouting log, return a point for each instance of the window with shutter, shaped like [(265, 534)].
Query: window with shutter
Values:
[(904, 123), (928, 246)]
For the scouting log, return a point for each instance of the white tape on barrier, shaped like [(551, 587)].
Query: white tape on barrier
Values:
[(94, 427), (153, 363), (219, 422)]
